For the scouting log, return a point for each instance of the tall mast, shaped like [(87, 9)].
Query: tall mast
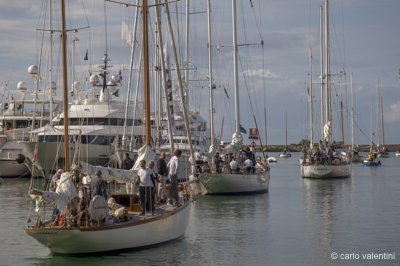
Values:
[(285, 130), (311, 103), (65, 85), (210, 77), (187, 54), (51, 62), (328, 106), (235, 68), (352, 111), (383, 124), (164, 74), (321, 55), (146, 79)]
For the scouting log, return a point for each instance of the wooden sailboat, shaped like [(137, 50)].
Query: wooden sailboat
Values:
[(222, 179), (323, 162), (69, 237), (285, 153)]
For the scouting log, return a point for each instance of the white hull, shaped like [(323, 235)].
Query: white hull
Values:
[(10, 168), (285, 155), (326, 171), (146, 232), (218, 183), (397, 154)]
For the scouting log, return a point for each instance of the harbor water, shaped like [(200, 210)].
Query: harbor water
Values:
[(352, 221)]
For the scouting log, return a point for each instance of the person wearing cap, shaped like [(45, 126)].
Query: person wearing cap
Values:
[(54, 179)]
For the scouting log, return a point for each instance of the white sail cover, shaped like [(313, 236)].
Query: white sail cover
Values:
[(212, 150), (144, 153), (237, 139), (110, 174), (327, 130), (64, 193)]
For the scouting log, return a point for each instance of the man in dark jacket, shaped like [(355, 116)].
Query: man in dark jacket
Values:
[(98, 186), (162, 171)]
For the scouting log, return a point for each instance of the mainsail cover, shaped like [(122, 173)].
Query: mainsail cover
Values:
[(110, 174), (144, 153)]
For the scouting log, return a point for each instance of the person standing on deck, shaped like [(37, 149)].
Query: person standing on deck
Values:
[(145, 187), (173, 165), (98, 186), (53, 186), (162, 171), (128, 163)]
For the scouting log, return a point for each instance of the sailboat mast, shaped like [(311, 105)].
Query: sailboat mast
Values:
[(187, 54), (210, 77), (51, 62), (65, 85), (382, 124), (146, 79), (328, 106), (321, 49), (311, 104), (235, 68), (286, 130), (352, 111)]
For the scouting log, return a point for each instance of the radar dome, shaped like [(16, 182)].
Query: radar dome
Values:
[(21, 86), (33, 70)]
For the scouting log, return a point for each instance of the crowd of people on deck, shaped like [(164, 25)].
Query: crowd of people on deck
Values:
[(240, 162), (324, 155), (152, 183)]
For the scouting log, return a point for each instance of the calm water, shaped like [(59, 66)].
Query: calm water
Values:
[(300, 222)]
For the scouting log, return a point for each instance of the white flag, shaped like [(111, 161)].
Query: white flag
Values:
[(126, 33)]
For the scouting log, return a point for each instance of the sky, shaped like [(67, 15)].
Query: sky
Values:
[(365, 41)]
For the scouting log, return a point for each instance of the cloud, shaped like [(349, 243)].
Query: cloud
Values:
[(393, 115), (261, 73)]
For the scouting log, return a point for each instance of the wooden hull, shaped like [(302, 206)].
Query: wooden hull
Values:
[(142, 233), (325, 171), (218, 183)]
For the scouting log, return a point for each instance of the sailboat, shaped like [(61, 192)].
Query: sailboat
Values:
[(222, 179), (285, 153), (354, 151), (323, 162), (69, 237), (382, 150), (372, 158)]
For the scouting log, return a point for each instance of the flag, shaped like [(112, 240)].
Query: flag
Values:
[(86, 55), (243, 130), (227, 96), (126, 34)]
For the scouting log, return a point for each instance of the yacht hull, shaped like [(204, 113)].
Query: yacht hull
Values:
[(142, 233), (326, 171), (48, 156), (218, 183), (10, 168)]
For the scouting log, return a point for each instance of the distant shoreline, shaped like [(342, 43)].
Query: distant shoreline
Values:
[(298, 148)]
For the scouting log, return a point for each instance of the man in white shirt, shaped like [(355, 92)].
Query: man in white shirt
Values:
[(248, 165), (234, 165), (173, 166), (146, 187)]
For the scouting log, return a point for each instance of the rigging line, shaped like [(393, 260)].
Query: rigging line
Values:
[(247, 87), (255, 19)]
